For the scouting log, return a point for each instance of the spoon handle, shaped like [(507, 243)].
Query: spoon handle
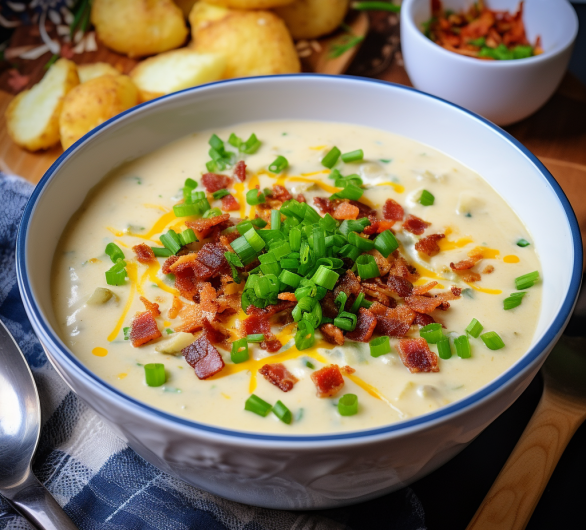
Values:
[(516, 491), (37, 505)]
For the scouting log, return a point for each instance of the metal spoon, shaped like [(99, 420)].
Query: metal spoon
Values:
[(516, 491), (20, 426)]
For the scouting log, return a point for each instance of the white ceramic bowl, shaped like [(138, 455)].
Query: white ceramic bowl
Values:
[(320, 471), (502, 91)]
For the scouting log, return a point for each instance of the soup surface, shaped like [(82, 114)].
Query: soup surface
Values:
[(407, 192)]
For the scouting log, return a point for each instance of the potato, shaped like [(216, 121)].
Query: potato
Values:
[(185, 6), (253, 42), (203, 14), (176, 70), (249, 4), (92, 103), (93, 70), (139, 27), (32, 118), (309, 19)]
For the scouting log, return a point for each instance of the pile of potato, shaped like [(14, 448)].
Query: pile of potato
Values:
[(229, 38)]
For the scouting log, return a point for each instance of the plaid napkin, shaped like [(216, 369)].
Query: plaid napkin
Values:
[(103, 484)]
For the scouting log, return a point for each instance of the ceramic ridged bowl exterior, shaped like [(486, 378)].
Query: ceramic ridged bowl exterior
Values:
[(305, 471), (502, 91)]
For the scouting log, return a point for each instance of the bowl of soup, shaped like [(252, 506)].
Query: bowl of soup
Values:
[(298, 291)]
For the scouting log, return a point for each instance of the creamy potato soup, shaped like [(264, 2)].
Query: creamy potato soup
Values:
[(313, 278)]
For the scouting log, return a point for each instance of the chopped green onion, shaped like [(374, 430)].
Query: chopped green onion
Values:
[(295, 239), (366, 304), (282, 412), (254, 197), (279, 164), (444, 349), (251, 145), (116, 275), (161, 252), (187, 236), (331, 158), (474, 328), (309, 365), (357, 303), (256, 337), (126, 332), (350, 225), (463, 346), (280, 248), (326, 277), (340, 301), (114, 251), (255, 241), (220, 193), (257, 405), (523, 243), (290, 263), (239, 352), (314, 316), (342, 182), (275, 220), (360, 242), (492, 340), (426, 199), (513, 301), (216, 143), (328, 223), (527, 280), (386, 243), (305, 336), (319, 242), (185, 210), (289, 278), (353, 156), (349, 251), (212, 212), (155, 374), (367, 267), (311, 216), (380, 346), (346, 321), (245, 252), (171, 241), (349, 192), (348, 405), (432, 333), (271, 268)]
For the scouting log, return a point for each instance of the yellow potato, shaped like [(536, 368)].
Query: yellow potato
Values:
[(32, 118), (175, 70), (185, 6), (139, 27), (309, 19), (249, 4), (93, 70), (253, 42), (203, 14), (92, 103)]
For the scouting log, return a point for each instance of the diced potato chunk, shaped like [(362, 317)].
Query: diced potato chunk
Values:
[(100, 296), (175, 343), (93, 70), (309, 19)]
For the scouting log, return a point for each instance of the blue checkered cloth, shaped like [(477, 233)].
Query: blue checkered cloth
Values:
[(103, 484)]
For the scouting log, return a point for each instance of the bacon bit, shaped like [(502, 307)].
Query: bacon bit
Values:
[(395, 322), (346, 210), (400, 267), (214, 182), (417, 356), (229, 203), (259, 324), (166, 268), (423, 320), (428, 245), (422, 304), (469, 276), (240, 170), (400, 285), (290, 297), (328, 307), (17, 81), (378, 227), (204, 226), (186, 284), (143, 329), (150, 306), (415, 225), (281, 193), (278, 375), (144, 253), (182, 263), (347, 370), (349, 284), (364, 326), (228, 304), (378, 292), (191, 317), (211, 255), (393, 210), (207, 301), (175, 307), (489, 269), (422, 289), (363, 209), (328, 380), (324, 205), (465, 264), (203, 357), (456, 290), (214, 334), (301, 198), (271, 309), (383, 264), (452, 294), (332, 334)]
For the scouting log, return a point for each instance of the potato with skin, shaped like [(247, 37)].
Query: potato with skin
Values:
[(203, 14), (94, 102), (93, 70), (175, 70), (253, 42), (32, 118), (310, 19), (249, 4), (139, 27)]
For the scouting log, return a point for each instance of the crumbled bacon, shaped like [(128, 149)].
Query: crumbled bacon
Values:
[(423, 320), (422, 304), (328, 307), (143, 329), (456, 290), (347, 370), (229, 203), (324, 205), (175, 307), (166, 268), (395, 322), (203, 357), (489, 269), (363, 210), (400, 285), (400, 267), (186, 284), (228, 304), (271, 309), (207, 301), (240, 170), (393, 210), (301, 198), (348, 284), (328, 380), (470, 276), (383, 264), (281, 193), (345, 210), (378, 227), (150, 306), (259, 324), (376, 290), (428, 245), (203, 227), (364, 326), (415, 225), (289, 297), (191, 318), (144, 253), (465, 264), (215, 334), (214, 182), (425, 288), (417, 356), (278, 375), (452, 294), (211, 255), (332, 334)]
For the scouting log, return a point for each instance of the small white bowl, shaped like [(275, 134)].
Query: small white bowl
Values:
[(502, 91), (303, 471)]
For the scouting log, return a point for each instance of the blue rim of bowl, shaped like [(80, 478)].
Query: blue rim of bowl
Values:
[(554, 330)]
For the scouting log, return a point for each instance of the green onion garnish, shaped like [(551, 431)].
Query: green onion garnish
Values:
[(346, 321), (513, 301), (357, 303), (239, 352), (426, 199), (349, 192), (212, 212), (171, 241), (474, 328), (220, 193), (282, 412), (463, 346), (326, 277), (353, 156), (254, 240), (367, 267), (245, 252), (257, 337), (527, 280), (380, 346), (114, 251), (386, 243), (305, 336), (360, 242), (126, 332), (257, 405), (523, 243), (432, 333), (349, 251), (275, 220), (309, 365), (331, 158), (279, 164), (348, 405), (443, 348), (188, 236), (116, 275), (289, 278), (492, 340), (155, 374), (251, 145), (185, 210), (161, 252), (254, 197)]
